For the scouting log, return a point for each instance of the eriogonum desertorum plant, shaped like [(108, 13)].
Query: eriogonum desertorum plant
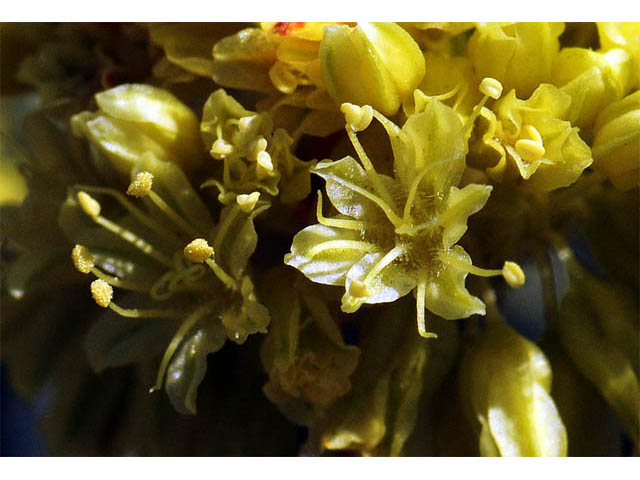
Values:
[(329, 238)]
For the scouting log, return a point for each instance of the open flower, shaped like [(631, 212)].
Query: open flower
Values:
[(398, 234), (255, 157), (529, 141), (163, 247)]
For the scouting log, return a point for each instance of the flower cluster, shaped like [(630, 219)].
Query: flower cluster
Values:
[(260, 214)]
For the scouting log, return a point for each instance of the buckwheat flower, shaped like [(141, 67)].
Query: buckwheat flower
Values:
[(529, 142), (506, 381), (616, 143), (308, 363), (159, 243), (254, 157), (398, 234), (519, 55), (625, 35), (134, 119), (376, 64), (593, 79)]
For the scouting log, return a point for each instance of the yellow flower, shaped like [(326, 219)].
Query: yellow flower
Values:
[(616, 143), (593, 80), (376, 64), (134, 119), (519, 55), (529, 141), (625, 35)]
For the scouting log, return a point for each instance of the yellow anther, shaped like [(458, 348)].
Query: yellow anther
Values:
[(358, 118), (358, 289), (530, 132), (89, 205), (513, 274), (198, 251), (264, 165), (247, 202), (491, 87), (102, 292), (221, 148), (82, 259), (529, 150), (141, 185)]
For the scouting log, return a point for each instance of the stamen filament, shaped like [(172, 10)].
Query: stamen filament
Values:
[(132, 238), (347, 224), (224, 227), (142, 313), (390, 256), (118, 282), (393, 218), (420, 308), (467, 267), (175, 342), (342, 244), (171, 213), (221, 274), (135, 211), (368, 167)]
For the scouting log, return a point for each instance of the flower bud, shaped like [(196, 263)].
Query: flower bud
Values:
[(519, 55), (622, 35), (134, 119), (593, 80), (376, 64), (616, 144)]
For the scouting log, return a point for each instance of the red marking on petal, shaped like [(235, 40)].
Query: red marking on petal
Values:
[(284, 28)]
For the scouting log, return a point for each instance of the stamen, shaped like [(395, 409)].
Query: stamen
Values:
[(491, 88), (532, 133), (142, 313), (264, 165), (247, 202), (390, 256), (141, 185), (259, 145), (175, 342), (221, 149), (358, 289), (223, 276), (101, 292), (342, 244), (345, 223), (172, 214), (420, 308), (245, 122), (529, 150), (82, 259), (89, 205), (198, 251), (513, 274), (358, 118)]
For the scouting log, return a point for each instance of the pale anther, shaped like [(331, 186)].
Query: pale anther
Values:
[(221, 149), (82, 259), (491, 87), (530, 132), (89, 205), (358, 118), (102, 292), (247, 202), (141, 185), (264, 165), (529, 150), (358, 289), (513, 274), (198, 251), (259, 145), (245, 122)]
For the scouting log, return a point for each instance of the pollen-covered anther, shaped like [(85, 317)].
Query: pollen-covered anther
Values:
[(491, 87), (102, 292), (198, 251), (221, 148), (358, 118), (141, 185), (513, 274), (82, 259), (358, 289), (264, 165), (247, 202), (89, 205)]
